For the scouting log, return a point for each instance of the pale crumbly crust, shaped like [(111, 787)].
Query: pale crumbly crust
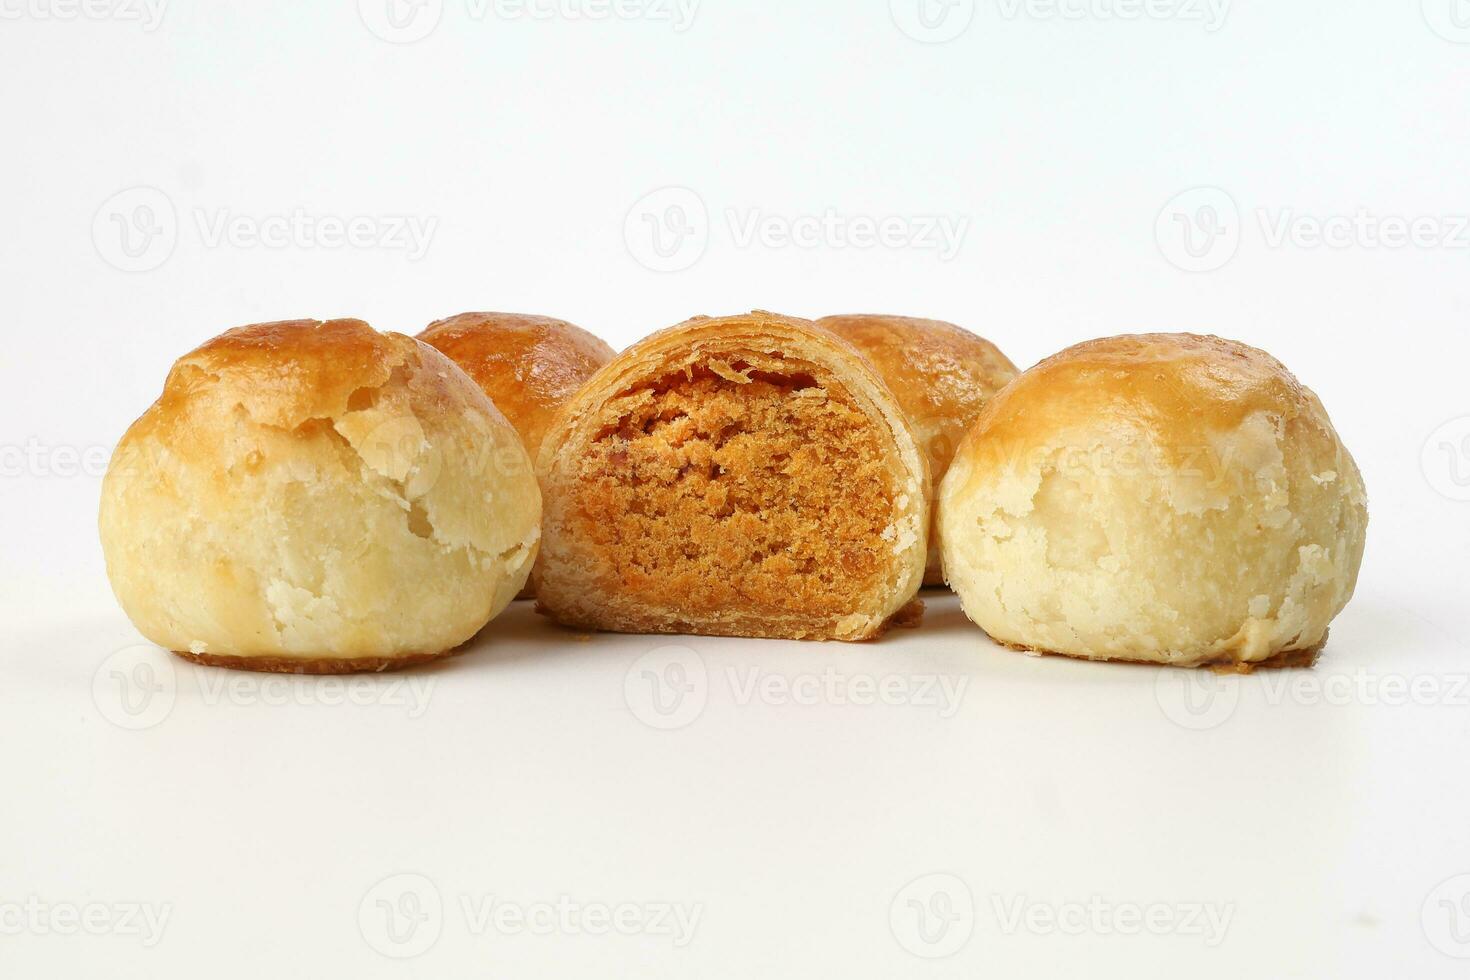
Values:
[(316, 495), (1161, 498)]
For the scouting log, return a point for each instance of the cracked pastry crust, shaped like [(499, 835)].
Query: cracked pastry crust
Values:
[(529, 366), (743, 476), (942, 376), (1166, 498), (317, 497)]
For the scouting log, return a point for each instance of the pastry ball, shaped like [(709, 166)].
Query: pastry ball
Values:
[(942, 376), (744, 476), (529, 366), (1166, 498), (318, 497)]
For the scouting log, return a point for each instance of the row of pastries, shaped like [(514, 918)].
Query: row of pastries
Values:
[(314, 496)]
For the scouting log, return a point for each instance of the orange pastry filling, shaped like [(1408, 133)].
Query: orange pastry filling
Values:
[(727, 489)]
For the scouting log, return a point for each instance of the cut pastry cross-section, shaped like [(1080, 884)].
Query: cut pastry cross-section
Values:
[(744, 476)]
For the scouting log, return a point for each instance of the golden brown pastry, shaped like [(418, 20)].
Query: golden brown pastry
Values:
[(529, 366), (1166, 497), (743, 476), (941, 374), (317, 497)]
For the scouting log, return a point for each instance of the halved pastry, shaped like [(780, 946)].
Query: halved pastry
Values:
[(742, 476)]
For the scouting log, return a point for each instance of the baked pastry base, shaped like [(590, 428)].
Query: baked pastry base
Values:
[(910, 616), (1277, 661), (317, 665)]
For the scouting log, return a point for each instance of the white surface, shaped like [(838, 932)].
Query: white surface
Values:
[(1325, 811)]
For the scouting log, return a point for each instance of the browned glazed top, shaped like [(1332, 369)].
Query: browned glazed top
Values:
[(528, 365)]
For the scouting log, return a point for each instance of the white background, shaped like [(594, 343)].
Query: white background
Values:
[(1325, 812)]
